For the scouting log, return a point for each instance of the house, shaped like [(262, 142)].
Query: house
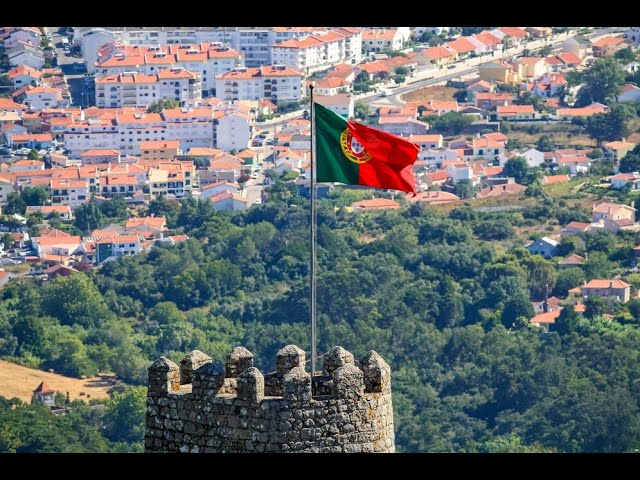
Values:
[(515, 112), (341, 104), (157, 224), (545, 319), (24, 75), (568, 114), (534, 157), (403, 125), (111, 248), (630, 93), (533, 67), (459, 171), (490, 100), (218, 187), (43, 97), (59, 270), (487, 149), (426, 142), (375, 204), (63, 210), (100, 155), (436, 178), (160, 149), (465, 46), (539, 32), (501, 190), (578, 45), (31, 140), (331, 86), (500, 71), (575, 163), (612, 211), (433, 198), (553, 179), (26, 166), (491, 42), (618, 149), (377, 40), (622, 180), (225, 201), (545, 246), (571, 260), (614, 289), (439, 56), (233, 131), (607, 46), (573, 228)]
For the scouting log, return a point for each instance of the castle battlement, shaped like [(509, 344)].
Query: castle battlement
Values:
[(199, 407)]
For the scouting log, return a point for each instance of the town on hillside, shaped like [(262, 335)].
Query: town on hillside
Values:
[(179, 148)]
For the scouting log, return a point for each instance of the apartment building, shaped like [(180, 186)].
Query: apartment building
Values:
[(207, 60), (69, 192), (234, 130), (132, 89), (273, 82), (320, 50)]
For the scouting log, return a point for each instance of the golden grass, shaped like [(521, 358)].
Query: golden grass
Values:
[(19, 381), (438, 92)]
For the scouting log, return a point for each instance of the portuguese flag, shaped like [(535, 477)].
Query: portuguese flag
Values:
[(354, 154)]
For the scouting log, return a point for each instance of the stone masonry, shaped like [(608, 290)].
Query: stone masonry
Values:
[(199, 408)]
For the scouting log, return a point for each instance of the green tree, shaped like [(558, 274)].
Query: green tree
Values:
[(546, 144), (626, 55), (568, 278), (164, 104), (125, 415), (362, 109), (33, 154), (598, 265), (518, 168), (567, 321), (88, 216), (115, 208), (608, 126), (75, 300), (464, 189), (35, 195), (602, 82), (631, 161), (451, 123), (517, 312), (15, 204)]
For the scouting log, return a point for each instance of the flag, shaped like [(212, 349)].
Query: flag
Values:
[(351, 153)]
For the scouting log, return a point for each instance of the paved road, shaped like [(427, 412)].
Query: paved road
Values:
[(73, 69)]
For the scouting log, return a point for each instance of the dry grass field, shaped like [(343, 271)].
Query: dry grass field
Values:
[(19, 381)]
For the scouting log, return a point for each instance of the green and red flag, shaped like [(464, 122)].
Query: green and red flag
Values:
[(352, 153)]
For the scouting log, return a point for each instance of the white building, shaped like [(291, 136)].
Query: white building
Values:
[(377, 40), (273, 82), (139, 90), (341, 104), (205, 59), (233, 131), (193, 127), (91, 40), (320, 50), (69, 192)]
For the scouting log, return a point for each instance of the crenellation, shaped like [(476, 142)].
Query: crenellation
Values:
[(198, 407), (191, 363)]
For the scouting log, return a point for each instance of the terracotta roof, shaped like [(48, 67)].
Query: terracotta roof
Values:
[(572, 259), (608, 41), (551, 179), (43, 388), (376, 204), (546, 317), (499, 190), (604, 283)]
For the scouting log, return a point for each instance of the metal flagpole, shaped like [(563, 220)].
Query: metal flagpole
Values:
[(314, 221)]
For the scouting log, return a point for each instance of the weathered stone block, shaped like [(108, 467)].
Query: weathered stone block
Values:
[(348, 382), (377, 373), (164, 376), (238, 361), (336, 358), (289, 357), (251, 386), (191, 362)]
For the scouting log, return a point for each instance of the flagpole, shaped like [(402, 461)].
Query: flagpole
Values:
[(314, 221)]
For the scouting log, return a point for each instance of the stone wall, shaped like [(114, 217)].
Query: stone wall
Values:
[(197, 407)]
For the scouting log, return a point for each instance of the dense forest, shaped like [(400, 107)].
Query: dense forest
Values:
[(443, 295)]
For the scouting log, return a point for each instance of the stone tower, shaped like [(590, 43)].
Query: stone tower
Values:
[(197, 407)]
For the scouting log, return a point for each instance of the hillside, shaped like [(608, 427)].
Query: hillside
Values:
[(19, 381)]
